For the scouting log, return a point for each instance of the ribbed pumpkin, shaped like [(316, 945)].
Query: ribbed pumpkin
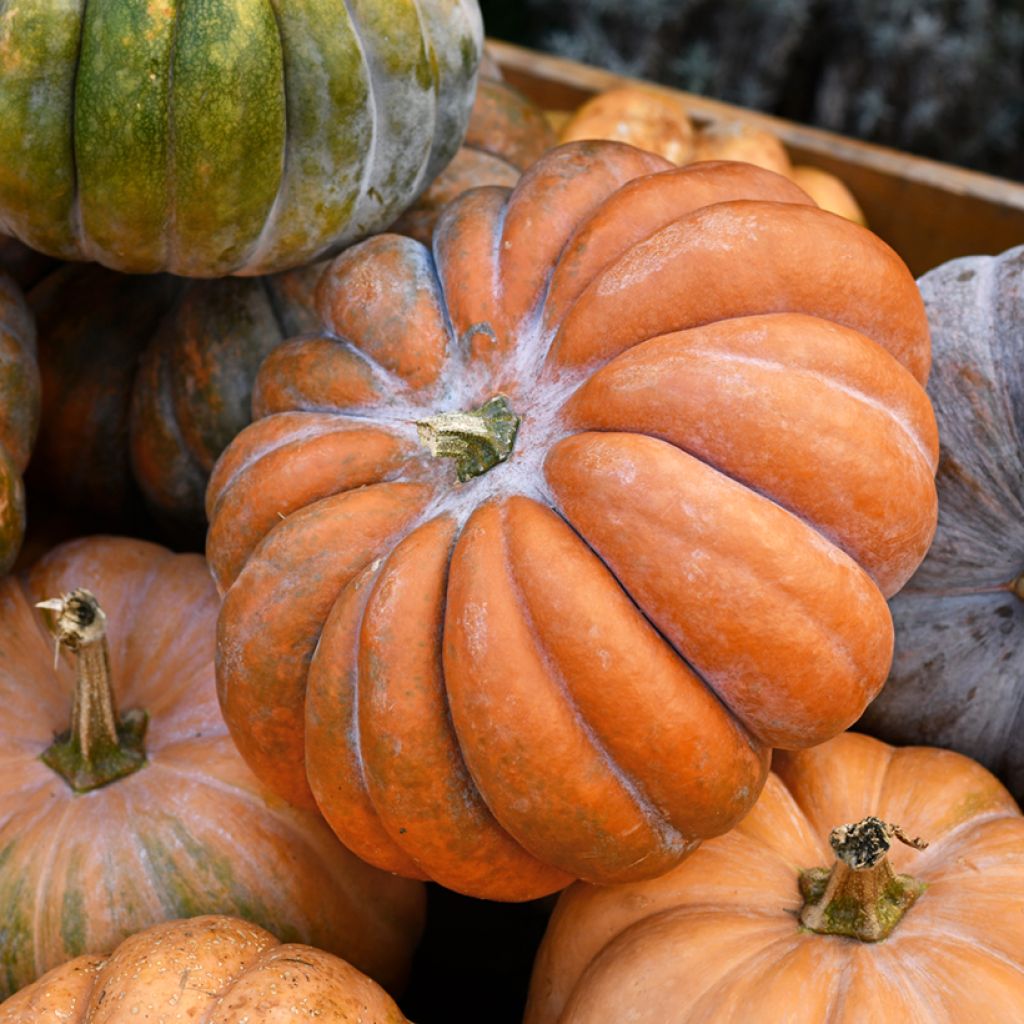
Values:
[(110, 826), (506, 134), (691, 455), (19, 413), (204, 969), (958, 673), (749, 928), (145, 382), (237, 137)]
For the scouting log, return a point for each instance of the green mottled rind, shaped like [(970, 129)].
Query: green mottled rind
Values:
[(228, 112), (38, 48), (227, 136), (330, 131), (17, 964), (121, 131)]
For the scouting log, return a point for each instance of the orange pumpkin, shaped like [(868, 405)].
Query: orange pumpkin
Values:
[(205, 969), (114, 826), (19, 413), (722, 933), (692, 456)]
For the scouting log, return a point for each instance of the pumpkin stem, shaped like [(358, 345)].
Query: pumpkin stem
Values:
[(860, 896), (98, 748), (477, 439), (1017, 586)]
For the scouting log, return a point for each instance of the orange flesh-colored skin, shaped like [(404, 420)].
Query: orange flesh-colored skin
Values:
[(724, 392), (719, 934), (570, 666), (206, 970), (644, 206), (739, 141), (193, 831), (742, 258), (263, 656)]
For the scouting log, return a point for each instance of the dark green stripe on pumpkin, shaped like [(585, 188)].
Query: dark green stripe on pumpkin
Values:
[(39, 43), (330, 128), (227, 132), (121, 143), (17, 960)]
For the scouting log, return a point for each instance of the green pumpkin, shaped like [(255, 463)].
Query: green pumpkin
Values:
[(213, 137)]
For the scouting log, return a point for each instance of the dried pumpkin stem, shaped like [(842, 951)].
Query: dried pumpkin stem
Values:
[(477, 439), (98, 748), (860, 896)]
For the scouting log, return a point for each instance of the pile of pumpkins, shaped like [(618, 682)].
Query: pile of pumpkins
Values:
[(563, 507)]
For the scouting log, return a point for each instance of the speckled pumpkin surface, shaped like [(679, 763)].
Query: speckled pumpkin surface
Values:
[(19, 413), (721, 935), (191, 831), (207, 970), (574, 663), (958, 672), (225, 136), (146, 380)]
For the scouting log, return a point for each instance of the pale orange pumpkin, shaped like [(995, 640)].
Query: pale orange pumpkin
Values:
[(731, 935), (207, 970), (103, 833)]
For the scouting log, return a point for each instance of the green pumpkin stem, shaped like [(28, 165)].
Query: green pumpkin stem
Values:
[(98, 748), (477, 439), (860, 896)]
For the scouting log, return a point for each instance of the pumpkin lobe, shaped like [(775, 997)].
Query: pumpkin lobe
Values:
[(99, 747), (860, 896), (477, 440)]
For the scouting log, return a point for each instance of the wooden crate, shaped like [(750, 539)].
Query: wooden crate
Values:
[(929, 212)]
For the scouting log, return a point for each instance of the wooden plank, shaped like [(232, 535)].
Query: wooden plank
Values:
[(929, 212)]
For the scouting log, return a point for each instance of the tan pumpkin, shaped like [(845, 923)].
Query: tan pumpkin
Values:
[(114, 825), (691, 458), (645, 118), (205, 970), (828, 191), (19, 413), (756, 926)]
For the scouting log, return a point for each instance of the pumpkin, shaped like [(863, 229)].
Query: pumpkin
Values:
[(618, 487), (506, 134), (201, 967), (645, 118), (111, 822), (145, 382), (233, 138), (827, 191), (770, 917), (957, 678), (19, 413), (738, 140)]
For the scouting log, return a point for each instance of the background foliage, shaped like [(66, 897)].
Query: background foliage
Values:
[(942, 78)]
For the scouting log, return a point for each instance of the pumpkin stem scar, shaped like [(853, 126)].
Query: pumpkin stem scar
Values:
[(860, 896), (98, 747), (477, 439)]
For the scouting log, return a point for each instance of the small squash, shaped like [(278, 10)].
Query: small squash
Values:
[(957, 678), (614, 481), (19, 413), (210, 968), (111, 822), (769, 917)]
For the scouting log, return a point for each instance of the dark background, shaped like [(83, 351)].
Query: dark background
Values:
[(940, 78)]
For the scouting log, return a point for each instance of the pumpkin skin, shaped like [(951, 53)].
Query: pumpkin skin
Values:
[(190, 832), (19, 413), (237, 973), (506, 134), (959, 661), (719, 935), (234, 138), (420, 659), (145, 381)]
